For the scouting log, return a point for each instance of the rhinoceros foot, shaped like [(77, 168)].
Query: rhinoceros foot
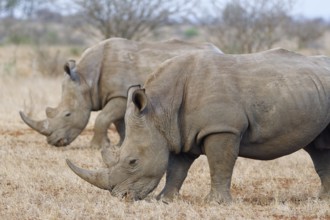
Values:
[(100, 142), (324, 194), (168, 197), (218, 198)]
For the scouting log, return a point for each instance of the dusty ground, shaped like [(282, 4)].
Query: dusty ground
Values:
[(35, 182)]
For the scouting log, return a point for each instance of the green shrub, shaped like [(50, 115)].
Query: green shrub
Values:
[(74, 51), (191, 32), (16, 38)]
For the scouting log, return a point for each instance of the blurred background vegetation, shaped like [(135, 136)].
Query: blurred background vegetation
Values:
[(53, 31)]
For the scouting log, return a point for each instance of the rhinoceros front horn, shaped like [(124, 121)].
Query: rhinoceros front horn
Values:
[(96, 178), (40, 126)]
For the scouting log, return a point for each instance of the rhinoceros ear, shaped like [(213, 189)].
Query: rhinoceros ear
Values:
[(70, 69), (140, 99)]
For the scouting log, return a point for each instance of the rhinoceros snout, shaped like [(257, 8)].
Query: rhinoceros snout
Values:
[(62, 142), (59, 143), (127, 195)]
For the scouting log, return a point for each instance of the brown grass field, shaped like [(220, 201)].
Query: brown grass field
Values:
[(35, 182)]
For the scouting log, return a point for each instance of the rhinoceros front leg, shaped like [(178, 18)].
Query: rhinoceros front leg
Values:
[(221, 151), (120, 126), (114, 111), (176, 173)]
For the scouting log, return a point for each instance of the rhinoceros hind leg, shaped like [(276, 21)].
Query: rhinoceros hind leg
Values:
[(320, 153), (176, 173)]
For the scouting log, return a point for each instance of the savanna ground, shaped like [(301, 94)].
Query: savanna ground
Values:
[(35, 182)]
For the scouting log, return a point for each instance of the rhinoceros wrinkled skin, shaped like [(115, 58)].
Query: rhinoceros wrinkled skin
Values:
[(99, 81), (259, 106)]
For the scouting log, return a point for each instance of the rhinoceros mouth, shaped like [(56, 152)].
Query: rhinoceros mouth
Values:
[(127, 195), (61, 142), (120, 195), (131, 194)]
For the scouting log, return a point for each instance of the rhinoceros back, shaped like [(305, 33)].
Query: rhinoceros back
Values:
[(113, 65), (268, 98)]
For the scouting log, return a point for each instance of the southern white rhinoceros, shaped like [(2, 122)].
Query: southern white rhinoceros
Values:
[(99, 81), (260, 106)]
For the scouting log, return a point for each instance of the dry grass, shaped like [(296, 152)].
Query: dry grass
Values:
[(35, 182)]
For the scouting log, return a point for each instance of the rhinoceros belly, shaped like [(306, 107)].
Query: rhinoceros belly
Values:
[(270, 138)]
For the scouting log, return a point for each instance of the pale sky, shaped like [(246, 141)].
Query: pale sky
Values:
[(306, 8), (312, 8)]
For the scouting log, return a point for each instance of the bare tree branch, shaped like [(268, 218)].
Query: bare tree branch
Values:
[(306, 31), (244, 26), (21, 8), (131, 19)]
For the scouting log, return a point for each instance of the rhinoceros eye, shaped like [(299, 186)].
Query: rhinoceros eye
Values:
[(133, 162), (67, 114)]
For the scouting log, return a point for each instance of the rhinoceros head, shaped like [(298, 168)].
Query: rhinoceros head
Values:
[(143, 156), (65, 122)]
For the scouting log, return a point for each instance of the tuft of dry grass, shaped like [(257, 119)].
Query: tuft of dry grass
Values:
[(24, 60), (35, 182)]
